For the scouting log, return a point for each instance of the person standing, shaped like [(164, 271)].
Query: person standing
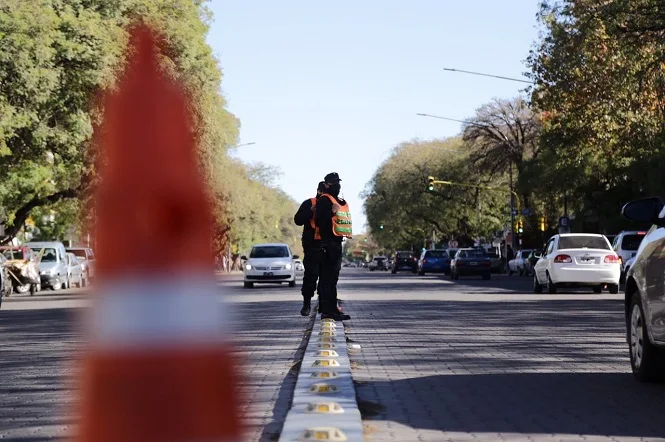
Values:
[(311, 248), (333, 223)]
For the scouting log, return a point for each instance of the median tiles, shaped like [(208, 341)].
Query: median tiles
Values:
[(324, 405)]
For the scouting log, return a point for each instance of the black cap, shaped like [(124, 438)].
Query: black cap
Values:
[(322, 186), (332, 177)]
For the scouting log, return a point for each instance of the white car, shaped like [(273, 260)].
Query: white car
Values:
[(517, 265), (269, 263), (577, 260), (625, 245)]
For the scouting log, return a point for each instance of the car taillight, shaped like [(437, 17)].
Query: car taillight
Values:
[(424, 261), (612, 259), (563, 259), (459, 263), (415, 259)]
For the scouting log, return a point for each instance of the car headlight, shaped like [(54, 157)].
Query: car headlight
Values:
[(248, 267), (288, 266)]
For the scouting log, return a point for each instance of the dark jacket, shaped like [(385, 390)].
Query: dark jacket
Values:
[(324, 216), (302, 218)]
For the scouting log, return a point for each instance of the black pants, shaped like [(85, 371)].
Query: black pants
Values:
[(312, 263), (331, 264)]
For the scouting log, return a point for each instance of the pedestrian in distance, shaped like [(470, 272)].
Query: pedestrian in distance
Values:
[(333, 223), (311, 248)]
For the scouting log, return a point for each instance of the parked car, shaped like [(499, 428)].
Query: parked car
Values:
[(405, 261), (75, 274), (378, 263), (269, 263), (625, 245), (495, 258), (22, 269), (89, 261), (530, 262), (6, 286), (471, 262), (51, 256), (517, 264), (577, 260), (643, 300), (434, 261)]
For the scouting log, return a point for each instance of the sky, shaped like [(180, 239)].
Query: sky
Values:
[(333, 87)]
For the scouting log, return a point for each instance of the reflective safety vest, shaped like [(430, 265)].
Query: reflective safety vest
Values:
[(341, 221)]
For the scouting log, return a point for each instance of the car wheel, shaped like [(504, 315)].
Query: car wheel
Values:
[(520, 272), (598, 289), (551, 287), (394, 271), (510, 272), (292, 283), (646, 360), (249, 285), (421, 273), (25, 288), (614, 288), (537, 287)]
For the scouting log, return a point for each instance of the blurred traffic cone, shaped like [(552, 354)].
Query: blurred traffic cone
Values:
[(159, 365)]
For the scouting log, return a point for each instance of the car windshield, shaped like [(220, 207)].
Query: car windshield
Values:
[(583, 242), (269, 252), (13, 254), (475, 253), (436, 254), (379, 259), (405, 255), (50, 255), (79, 253), (451, 253), (632, 242)]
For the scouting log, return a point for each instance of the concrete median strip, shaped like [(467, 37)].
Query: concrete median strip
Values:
[(324, 403)]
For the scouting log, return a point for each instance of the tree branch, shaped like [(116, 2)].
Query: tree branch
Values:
[(22, 214)]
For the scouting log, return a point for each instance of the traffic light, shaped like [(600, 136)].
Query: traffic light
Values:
[(430, 184), (520, 226), (381, 227), (542, 223)]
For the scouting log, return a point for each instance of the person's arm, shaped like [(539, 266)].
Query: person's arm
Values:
[(304, 213)]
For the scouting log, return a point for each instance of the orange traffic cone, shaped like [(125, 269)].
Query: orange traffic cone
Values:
[(159, 365)]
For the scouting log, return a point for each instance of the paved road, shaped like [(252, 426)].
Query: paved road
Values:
[(39, 339), (441, 361), (488, 360)]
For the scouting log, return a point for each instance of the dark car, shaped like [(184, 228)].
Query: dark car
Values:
[(643, 300), (471, 262), (434, 261), (405, 261)]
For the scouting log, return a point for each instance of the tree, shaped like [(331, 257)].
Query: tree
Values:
[(600, 89), (397, 197)]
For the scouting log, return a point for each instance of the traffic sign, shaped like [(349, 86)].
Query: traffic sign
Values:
[(564, 221), (514, 211), (526, 211)]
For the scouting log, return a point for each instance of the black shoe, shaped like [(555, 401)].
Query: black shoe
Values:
[(304, 311), (336, 316)]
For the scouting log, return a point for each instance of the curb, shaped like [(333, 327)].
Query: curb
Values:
[(324, 405)]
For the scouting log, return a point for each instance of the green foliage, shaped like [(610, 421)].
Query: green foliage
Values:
[(600, 89), (398, 198), (55, 56)]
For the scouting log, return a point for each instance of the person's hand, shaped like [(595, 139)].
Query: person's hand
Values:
[(335, 207)]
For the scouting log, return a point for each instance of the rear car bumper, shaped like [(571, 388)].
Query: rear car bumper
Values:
[(443, 268), (52, 281), (585, 276)]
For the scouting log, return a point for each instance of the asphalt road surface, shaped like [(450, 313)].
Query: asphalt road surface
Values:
[(441, 360)]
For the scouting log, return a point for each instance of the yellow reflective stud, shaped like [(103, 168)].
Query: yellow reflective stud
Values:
[(324, 433), (325, 363), (323, 388), (325, 374), (324, 407), (327, 354)]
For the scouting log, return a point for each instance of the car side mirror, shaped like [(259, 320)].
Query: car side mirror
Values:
[(296, 256), (643, 210), (243, 257), (538, 255)]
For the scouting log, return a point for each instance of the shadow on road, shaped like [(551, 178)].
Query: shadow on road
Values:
[(604, 404)]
